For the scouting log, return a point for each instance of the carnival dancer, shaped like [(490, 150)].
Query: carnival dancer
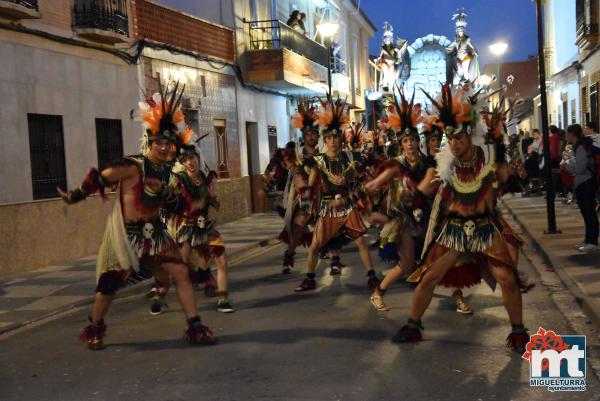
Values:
[(410, 177), (135, 234), (298, 213), (195, 232), (433, 141), (464, 242), (509, 174), (333, 185)]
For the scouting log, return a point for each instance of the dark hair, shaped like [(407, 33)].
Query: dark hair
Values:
[(591, 125), (294, 14), (302, 15), (575, 129), (553, 129), (535, 130)]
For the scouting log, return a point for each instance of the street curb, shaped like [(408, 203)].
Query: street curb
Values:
[(131, 289), (589, 305)]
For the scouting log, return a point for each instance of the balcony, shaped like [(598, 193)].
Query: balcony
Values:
[(19, 9), (586, 36), (281, 58), (101, 20)]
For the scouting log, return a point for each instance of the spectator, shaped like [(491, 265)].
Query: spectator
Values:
[(590, 129), (293, 22), (554, 140), (585, 187), (526, 140), (301, 27), (533, 161), (555, 157)]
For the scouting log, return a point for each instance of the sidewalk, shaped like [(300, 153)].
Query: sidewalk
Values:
[(580, 272), (54, 289)]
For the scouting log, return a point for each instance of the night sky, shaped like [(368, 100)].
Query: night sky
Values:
[(512, 21)]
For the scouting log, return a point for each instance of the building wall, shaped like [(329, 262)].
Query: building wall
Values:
[(165, 25), (40, 76)]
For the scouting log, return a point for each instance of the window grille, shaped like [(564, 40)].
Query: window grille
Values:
[(222, 151), (109, 141), (47, 152)]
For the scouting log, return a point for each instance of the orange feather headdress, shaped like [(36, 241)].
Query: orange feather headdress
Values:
[(332, 117), (162, 117), (305, 118), (404, 116), (454, 111)]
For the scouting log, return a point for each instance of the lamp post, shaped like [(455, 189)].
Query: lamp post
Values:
[(550, 213), (328, 27), (498, 49)]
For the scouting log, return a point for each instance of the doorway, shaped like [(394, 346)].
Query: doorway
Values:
[(252, 157)]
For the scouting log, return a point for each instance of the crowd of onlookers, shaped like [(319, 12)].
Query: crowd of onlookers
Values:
[(574, 158)]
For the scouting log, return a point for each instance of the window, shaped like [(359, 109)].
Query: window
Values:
[(272, 134), (47, 151), (221, 145), (573, 111), (594, 103), (109, 141)]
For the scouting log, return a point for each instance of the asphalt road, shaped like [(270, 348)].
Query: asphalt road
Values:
[(279, 345)]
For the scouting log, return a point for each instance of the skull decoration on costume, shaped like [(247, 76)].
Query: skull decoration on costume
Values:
[(148, 230), (201, 222), (469, 228), (418, 215)]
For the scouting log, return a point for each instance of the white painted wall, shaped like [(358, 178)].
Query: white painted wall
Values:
[(263, 109), (79, 88)]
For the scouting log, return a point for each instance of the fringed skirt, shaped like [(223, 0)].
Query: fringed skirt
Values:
[(203, 239), (481, 244), (337, 227)]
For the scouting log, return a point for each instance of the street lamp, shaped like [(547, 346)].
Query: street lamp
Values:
[(498, 49), (328, 27), (550, 212)]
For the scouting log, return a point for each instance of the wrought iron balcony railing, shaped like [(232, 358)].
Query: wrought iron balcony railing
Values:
[(32, 4), (274, 34), (105, 15)]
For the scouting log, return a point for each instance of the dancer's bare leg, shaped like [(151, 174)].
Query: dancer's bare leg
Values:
[(185, 291), (363, 251), (424, 291), (101, 305), (511, 294)]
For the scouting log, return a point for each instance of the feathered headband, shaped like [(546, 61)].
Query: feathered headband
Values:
[(404, 116), (189, 145), (494, 121), (454, 112), (355, 135), (162, 118), (332, 117), (305, 118)]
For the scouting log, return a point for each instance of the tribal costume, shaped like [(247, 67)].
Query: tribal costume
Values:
[(338, 194), (194, 231), (465, 241), (297, 199), (407, 206), (135, 235)]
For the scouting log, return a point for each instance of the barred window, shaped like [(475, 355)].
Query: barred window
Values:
[(221, 146), (47, 152), (109, 141)]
